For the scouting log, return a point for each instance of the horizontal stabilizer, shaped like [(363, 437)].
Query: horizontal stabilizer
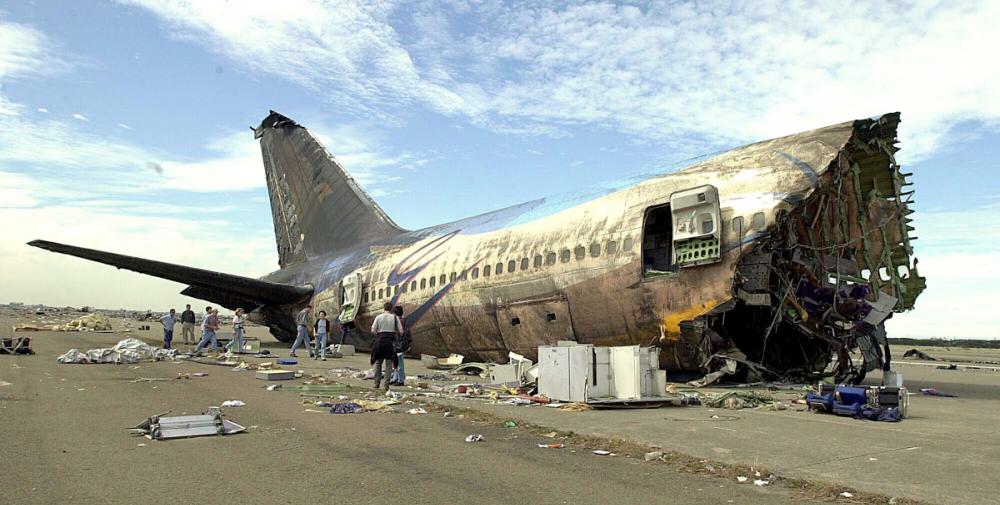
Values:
[(237, 287)]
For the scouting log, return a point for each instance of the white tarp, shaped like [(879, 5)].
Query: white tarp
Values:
[(129, 350)]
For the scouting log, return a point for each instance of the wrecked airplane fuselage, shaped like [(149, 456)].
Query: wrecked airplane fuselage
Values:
[(777, 258)]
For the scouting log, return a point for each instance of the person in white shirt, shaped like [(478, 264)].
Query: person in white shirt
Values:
[(386, 328), (236, 344), (322, 329)]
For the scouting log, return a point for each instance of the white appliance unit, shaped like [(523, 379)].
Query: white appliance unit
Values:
[(635, 372)]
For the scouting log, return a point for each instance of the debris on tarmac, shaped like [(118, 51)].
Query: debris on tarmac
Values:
[(234, 403), (126, 351), (935, 392), (475, 438), (551, 446), (346, 408), (416, 411), (650, 456), (161, 427)]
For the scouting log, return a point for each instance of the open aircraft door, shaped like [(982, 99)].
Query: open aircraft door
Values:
[(350, 298), (697, 224)]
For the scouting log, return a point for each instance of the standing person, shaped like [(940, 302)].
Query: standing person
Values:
[(302, 337), (208, 327), (236, 345), (187, 325), (386, 328), (322, 328), (168, 321), (402, 345)]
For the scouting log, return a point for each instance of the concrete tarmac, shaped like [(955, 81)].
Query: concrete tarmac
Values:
[(65, 441)]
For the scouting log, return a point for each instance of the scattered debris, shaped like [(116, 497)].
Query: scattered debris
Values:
[(847, 494), (950, 366), (234, 403), (741, 478), (602, 452), (346, 408), (129, 350), (5, 384), (274, 375), (435, 363), (151, 379), (416, 411), (935, 392), (509, 424), (551, 446), (475, 438), (576, 407), (650, 456), (90, 322), (761, 482), (211, 422), (273, 387), (199, 374), (917, 353), (17, 345)]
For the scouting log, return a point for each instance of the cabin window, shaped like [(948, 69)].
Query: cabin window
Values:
[(423, 283), (757, 223), (413, 286), (706, 224), (443, 280), (453, 276), (486, 271), (475, 273), (405, 285), (595, 250), (581, 252), (366, 297), (510, 266), (381, 294), (738, 225), (564, 256), (627, 244), (550, 259), (395, 290), (657, 236), (524, 263), (432, 281), (538, 261), (499, 268), (612, 247)]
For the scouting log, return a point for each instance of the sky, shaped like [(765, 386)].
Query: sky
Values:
[(123, 125)]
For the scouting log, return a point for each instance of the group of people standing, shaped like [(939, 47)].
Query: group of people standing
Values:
[(209, 325), (392, 337), (392, 340)]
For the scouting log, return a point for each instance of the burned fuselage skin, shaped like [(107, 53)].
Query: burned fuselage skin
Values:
[(779, 275)]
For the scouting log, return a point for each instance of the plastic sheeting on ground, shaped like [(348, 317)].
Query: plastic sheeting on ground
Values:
[(129, 350)]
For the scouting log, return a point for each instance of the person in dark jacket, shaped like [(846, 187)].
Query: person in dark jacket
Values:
[(402, 345)]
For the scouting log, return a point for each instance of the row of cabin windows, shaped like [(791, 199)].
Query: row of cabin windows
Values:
[(564, 256)]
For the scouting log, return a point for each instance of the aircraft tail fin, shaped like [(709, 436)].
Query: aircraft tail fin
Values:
[(317, 207)]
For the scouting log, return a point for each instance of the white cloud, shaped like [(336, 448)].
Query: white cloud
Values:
[(689, 76), (43, 110), (959, 254), (124, 126), (80, 117)]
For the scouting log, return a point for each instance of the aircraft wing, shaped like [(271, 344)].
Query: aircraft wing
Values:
[(206, 281)]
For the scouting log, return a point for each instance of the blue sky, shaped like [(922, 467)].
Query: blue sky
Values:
[(125, 123)]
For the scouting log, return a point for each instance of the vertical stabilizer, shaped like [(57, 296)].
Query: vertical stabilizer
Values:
[(316, 206)]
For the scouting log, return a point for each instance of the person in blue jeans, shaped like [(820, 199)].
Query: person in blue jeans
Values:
[(322, 328), (402, 345), (302, 337), (236, 345), (168, 321), (208, 327)]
